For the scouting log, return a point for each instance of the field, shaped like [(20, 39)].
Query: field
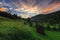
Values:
[(17, 30)]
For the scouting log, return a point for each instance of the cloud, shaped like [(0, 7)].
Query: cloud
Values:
[(24, 15), (2, 9), (1, 3), (54, 1), (51, 8), (31, 7)]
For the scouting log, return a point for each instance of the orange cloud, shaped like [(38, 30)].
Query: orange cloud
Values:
[(28, 8), (2, 9), (51, 8), (31, 8)]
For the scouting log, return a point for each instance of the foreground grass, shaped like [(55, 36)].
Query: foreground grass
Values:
[(16, 30)]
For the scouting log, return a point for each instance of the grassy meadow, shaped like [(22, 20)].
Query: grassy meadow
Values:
[(17, 30)]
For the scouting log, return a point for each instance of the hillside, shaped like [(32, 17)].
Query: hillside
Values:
[(16, 30), (51, 17)]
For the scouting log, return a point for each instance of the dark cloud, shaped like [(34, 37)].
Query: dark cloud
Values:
[(54, 1)]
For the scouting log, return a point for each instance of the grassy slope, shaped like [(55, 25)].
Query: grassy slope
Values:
[(16, 30)]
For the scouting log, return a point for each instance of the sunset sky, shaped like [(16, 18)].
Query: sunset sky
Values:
[(29, 8)]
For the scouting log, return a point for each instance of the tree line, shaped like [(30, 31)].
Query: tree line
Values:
[(9, 15)]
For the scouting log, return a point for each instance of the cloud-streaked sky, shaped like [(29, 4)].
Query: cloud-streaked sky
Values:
[(28, 8)]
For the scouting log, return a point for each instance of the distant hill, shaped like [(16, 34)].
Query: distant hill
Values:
[(51, 17)]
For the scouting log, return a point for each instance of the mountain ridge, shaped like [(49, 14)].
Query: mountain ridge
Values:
[(54, 17)]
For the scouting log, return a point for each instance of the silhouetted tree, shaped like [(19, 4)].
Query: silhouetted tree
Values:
[(29, 21), (9, 15), (15, 16), (5, 14)]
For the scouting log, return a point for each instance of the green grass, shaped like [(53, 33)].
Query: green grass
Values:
[(53, 35), (16, 30)]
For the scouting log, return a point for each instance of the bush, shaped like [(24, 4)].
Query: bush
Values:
[(54, 28), (48, 27), (59, 27)]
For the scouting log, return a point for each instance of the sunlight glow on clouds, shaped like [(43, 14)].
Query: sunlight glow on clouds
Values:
[(24, 16), (51, 8), (2, 9), (31, 7)]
